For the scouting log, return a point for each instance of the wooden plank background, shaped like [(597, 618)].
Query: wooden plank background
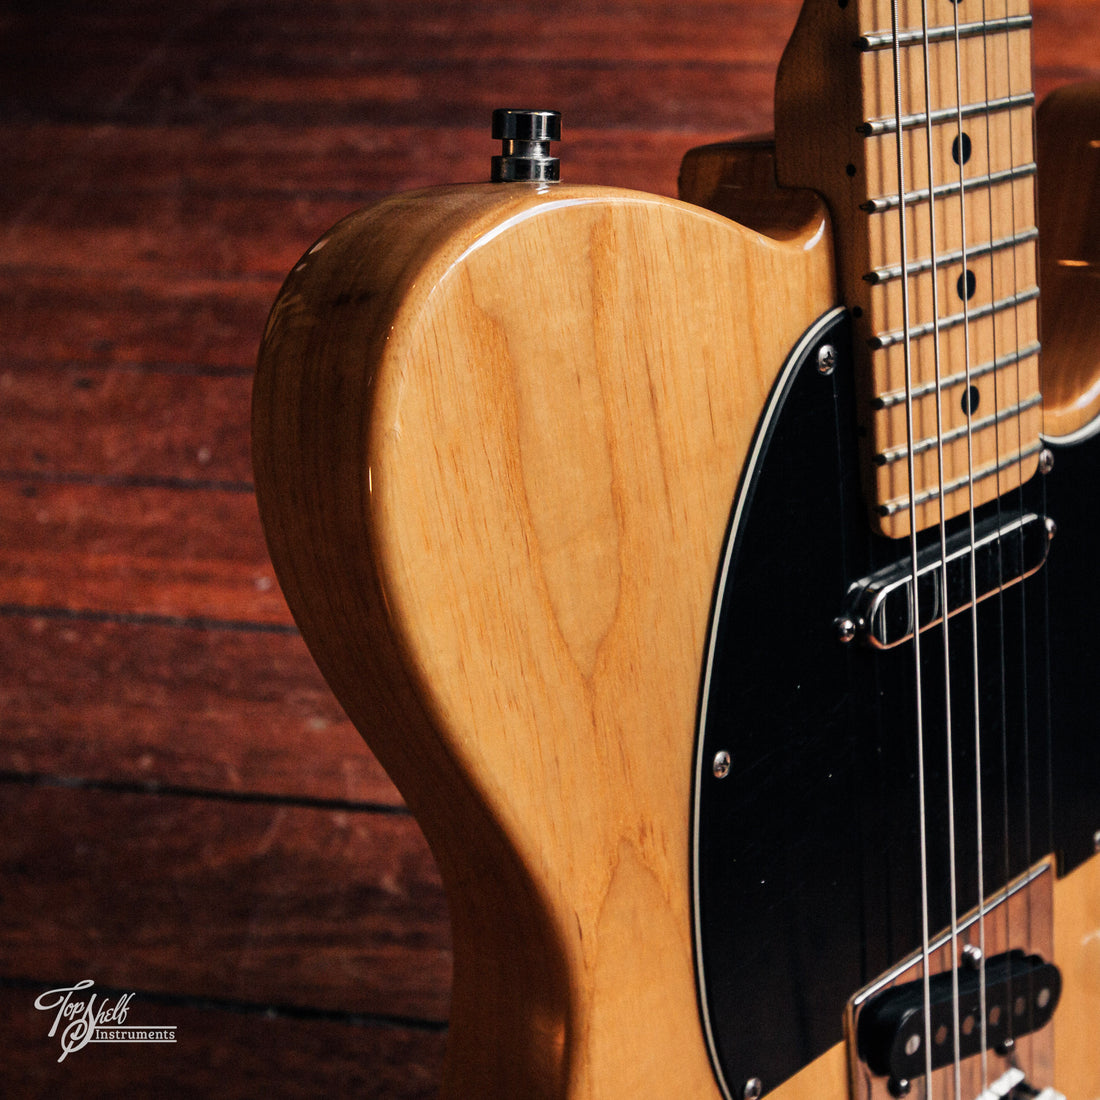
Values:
[(184, 811)]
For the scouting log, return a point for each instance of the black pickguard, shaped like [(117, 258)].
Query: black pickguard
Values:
[(807, 859)]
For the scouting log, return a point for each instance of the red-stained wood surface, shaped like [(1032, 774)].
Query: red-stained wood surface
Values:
[(188, 706), (171, 891), (223, 1049), (184, 810)]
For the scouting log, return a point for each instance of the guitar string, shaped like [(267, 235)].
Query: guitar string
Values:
[(941, 499), (912, 508), (1012, 322), (1000, 563), (1044, 600), (1019, 461), (964, 293), (1025, 714), (1002, 633), (1025, 710)]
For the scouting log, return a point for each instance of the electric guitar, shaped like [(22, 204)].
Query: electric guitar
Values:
[(716, 579)]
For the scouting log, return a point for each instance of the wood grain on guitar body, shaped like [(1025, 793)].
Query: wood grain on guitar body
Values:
[(562, 486)]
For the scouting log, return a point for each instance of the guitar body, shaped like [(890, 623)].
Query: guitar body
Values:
[(498, 434), (807, 843)]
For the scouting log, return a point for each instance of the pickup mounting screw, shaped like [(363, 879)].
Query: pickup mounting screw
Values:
[(753, 1090), (972, 956), (845, 630), (721, 766)]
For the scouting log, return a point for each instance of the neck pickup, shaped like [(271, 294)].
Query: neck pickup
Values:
[(881, 609)]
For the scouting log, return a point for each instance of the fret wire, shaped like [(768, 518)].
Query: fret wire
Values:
[(899, 504), (889, 339), (886, 203), (947, 103), (897, 397), (895, 454), (881, 40), (916, 267), (877, 127)]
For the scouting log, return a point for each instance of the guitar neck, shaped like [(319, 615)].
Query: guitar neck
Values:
[(914, 120)]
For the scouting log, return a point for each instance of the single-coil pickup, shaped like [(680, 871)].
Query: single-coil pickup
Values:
[(896, 1027), (883, 610)]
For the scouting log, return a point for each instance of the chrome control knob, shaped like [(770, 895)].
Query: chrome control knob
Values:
[(525, 149)]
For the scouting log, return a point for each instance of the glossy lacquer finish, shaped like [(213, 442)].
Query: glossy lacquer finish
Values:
[(808, 859), (501, 538), (497, 434), (498, 431)]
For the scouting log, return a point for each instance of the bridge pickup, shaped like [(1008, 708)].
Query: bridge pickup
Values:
[(879, 608), (1021, 994)]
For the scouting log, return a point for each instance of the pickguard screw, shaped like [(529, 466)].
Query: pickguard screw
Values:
[(754, 1089), (899, 1087), (721, 766), (1046, 460), (845, 630), (1096, 840), (826, 359)]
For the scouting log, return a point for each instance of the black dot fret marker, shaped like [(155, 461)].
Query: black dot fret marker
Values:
[(967, 284), (970, 400), (961, 149)]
